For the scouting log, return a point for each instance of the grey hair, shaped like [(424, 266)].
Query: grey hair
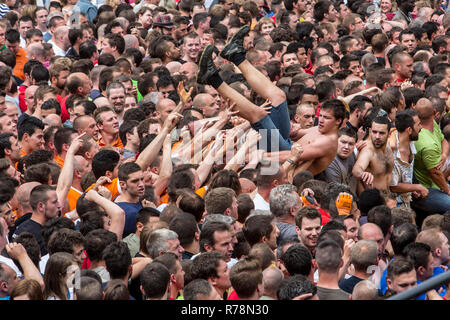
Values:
[(364, 254), (282, 198), (365, 290), (258, 212), (367, 60), (114, 85), (220, 218), (157, 241), (3, 272)]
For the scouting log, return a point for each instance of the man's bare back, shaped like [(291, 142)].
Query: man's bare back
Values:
[(319, 151)]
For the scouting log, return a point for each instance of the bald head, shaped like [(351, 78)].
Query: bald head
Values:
[(173, 67), (365, 290), (61, 36), (247, 186), (207, 104), (61, 31), (189, 69), (200, 100), (23, 195), (52, 120), (36, 51), (370, 231), (272, 278), (425, 109), (102, 102), (164, 107)]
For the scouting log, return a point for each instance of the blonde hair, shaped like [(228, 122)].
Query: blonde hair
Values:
[(30, 287), (263, 20), (28, 10)]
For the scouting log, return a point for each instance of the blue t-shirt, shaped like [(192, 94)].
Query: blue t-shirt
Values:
[(131, 210), (436, 271)]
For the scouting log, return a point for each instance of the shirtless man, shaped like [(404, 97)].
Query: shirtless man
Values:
[(277, 123), (373, 167), (320, 143), (318, 146)]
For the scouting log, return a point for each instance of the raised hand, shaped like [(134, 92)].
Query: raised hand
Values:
[(172, 120), (344, 203), (76, 144), (182, 93), (101, 181), (253, 137), (15, 250), (228, 113)]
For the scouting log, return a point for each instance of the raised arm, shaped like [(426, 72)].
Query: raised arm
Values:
[(30, 271), (150, 152), (202, 138), (66, 175), (205, 166), (235, 163), (115, 213), (166, 168)]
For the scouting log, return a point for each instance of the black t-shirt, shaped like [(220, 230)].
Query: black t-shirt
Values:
[(348, 284), (135, 285), (186, 255), (18, 222), (35, 229)]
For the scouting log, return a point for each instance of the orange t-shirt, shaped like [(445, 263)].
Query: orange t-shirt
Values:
[(201, 192), (59, 161), (117, 144), (164, 198), (72, 197), (113, 187), (21, 59), (177, 144)]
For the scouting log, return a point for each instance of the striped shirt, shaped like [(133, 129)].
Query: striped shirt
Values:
[(4, 9)]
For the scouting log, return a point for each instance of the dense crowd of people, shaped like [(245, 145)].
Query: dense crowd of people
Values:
[(223, 149)]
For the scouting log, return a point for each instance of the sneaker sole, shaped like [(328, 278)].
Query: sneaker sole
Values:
[(234, 37), (202, 64)]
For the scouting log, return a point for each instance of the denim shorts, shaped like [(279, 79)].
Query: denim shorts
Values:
[(275, 129)]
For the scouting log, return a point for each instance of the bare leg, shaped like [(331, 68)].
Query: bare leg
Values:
[(247, 109), (261, 84)]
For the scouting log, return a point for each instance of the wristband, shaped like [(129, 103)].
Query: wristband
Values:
[(291, 161)]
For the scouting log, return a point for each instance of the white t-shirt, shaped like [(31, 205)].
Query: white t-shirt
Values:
[(260, 203)]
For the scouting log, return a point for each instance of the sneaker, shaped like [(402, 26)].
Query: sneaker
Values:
[(236, 44)]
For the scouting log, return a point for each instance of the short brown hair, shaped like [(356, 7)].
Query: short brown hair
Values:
[(99, 111), (379, 42), (245, 276), (30, 287), (56, 68), (432, 221), (308, 213), (218, 200), (41, 91), (430, 237)]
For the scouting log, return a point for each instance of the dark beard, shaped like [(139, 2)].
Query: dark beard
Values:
[(118, 110)]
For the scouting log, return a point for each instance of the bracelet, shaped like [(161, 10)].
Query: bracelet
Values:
[(291, 161)]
